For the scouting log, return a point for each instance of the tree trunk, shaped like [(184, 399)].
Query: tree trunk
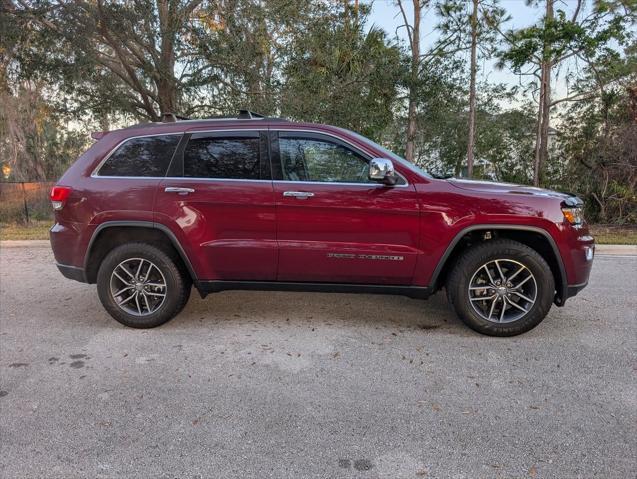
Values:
[(472, 90), (410, 148), (166, 88), (541, 142)]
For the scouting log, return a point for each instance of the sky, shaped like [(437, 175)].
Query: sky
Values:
[(386, 15)]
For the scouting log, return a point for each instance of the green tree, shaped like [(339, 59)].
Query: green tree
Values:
[(542, 49)]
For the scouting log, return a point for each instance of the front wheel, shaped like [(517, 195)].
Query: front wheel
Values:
[(501, 288), (141, 286)]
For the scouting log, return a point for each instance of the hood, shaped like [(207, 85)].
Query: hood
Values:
[(491, 187)]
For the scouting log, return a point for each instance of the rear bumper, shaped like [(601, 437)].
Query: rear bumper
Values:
[(72, 272)]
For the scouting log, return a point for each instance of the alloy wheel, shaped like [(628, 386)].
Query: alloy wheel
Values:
[(138, 286), (502, 291)]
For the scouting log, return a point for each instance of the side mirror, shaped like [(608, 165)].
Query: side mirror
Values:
[(382, 170)]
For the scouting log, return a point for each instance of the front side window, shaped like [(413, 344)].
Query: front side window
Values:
[(216, 157), (146, 157), (308, 159)]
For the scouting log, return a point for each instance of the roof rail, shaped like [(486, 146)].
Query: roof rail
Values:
[(169, 117), (249, 115)]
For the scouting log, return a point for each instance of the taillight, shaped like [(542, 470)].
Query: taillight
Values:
[(59, 195)]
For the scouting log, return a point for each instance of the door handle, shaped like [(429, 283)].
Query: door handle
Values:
[(179, 190), (302, 195)]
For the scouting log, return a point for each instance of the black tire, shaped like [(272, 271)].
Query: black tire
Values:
[(177, 285), (473, 260)]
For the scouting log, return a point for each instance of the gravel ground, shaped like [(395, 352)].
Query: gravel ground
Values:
[(280, 385)]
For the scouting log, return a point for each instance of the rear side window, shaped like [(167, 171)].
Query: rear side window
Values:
[(222, 157), (148, 156)]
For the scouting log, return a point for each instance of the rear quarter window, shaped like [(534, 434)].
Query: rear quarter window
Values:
[(143, 157)]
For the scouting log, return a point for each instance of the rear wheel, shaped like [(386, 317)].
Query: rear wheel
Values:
[(141, 286), (501, 288)]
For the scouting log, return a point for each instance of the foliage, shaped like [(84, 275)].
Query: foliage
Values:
[(68, 67)]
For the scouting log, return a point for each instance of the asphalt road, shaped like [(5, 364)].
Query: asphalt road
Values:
[(257, 385)]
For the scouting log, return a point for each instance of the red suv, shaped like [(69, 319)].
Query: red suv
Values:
[(259, 203)]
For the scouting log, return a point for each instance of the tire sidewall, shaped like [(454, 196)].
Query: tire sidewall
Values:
[(175, 285)]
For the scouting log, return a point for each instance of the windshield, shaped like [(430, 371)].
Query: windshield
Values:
[(391, 155)]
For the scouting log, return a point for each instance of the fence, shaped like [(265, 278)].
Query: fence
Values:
[(23, 202)]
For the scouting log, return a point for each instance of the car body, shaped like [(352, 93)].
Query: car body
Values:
[(273, 214)]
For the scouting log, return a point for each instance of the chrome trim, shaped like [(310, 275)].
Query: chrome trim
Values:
[(179, 189), (188, 178), (355, 147), (221, 130), (302, 195), (381, 169), (366, 185)]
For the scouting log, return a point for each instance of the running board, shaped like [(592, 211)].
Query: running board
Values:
[(207, 287)]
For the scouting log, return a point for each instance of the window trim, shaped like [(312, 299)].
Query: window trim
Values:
[(272, 134), (96, 170), (276, 156)]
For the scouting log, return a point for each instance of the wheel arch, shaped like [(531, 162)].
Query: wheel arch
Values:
[(537, 238), (113, 233)]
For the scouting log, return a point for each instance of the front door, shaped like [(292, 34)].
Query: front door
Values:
[(218, 201), (334, 224)]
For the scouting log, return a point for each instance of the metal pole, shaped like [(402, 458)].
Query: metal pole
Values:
[(24, 197)]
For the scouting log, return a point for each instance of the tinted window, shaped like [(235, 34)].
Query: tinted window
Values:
[(305, 159), (216, 157), (149, 156)]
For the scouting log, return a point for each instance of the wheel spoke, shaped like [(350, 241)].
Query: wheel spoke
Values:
[(523, 281), (120, 278), (516, 305), (502, 277), (504, 308), (478, 288), (525, 298), (126, 271), (117, 293), (127, 299), (139, 268), (155, 285), (155, 294), (489, 274), (146, 301), (522, 268), (495, 300), (139, 309), (483, 298)]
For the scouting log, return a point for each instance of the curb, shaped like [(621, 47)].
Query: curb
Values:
[(600, 249), (616, 250)]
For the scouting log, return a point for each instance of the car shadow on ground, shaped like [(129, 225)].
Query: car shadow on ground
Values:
[(333, 309)]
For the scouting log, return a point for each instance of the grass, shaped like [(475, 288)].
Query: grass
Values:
[(39, 230), (35, 230), (614, 234)]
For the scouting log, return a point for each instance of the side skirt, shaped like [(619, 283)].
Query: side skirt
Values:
[(206, 287)]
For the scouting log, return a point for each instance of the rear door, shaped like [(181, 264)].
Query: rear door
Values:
[(334, 224), (218, 200)]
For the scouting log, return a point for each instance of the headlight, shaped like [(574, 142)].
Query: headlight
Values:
[(574, 216)]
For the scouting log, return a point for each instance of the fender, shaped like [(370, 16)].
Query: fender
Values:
[(142, 224), (562, 287)]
